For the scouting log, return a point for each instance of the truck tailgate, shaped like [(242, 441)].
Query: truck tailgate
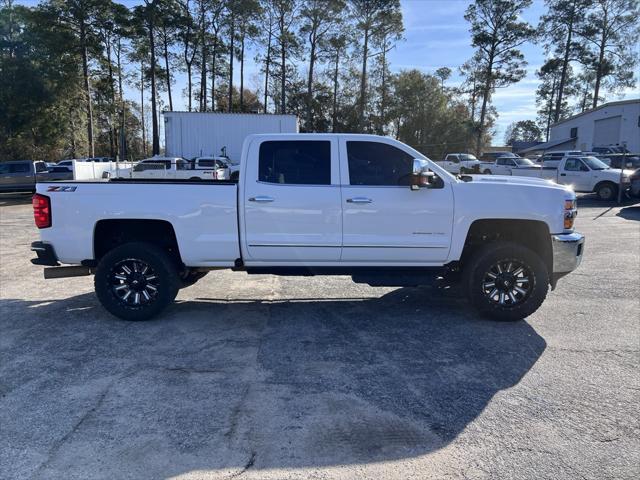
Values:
[(204, 216)]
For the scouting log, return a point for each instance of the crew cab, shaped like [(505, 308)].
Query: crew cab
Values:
[(507, 166), (585, 174), (21, 175), (314, 204), (461, 163)]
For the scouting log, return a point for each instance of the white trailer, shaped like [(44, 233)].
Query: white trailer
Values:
[(196, 134)]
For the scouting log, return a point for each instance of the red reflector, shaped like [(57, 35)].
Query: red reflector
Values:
[(41, 210)]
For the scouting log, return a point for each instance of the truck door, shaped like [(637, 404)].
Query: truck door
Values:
[(577, 174), (384, 221), (452, 164), (500, 168), (291, 194)]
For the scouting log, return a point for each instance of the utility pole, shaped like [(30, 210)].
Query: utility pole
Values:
[(622, 167)]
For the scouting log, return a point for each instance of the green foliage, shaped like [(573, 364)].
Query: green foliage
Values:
[(611, 33), (39, 85), (65, 66), (497, 32), (427, 118), (522, 131)]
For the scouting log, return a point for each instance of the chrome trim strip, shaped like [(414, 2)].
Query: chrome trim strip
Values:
[(345, 246)]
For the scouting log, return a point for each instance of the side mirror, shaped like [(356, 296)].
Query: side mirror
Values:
[(422, 177)]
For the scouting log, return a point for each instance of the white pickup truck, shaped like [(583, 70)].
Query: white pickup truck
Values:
[(460, 163), (584, 174), (312, 204), (508, 166)]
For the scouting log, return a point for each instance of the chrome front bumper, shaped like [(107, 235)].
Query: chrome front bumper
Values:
[(567, 252)]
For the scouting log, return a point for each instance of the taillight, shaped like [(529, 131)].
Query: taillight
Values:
[(41, 210)]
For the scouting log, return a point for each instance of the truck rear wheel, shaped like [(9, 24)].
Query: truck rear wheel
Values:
[(506, 281), (136, 281)]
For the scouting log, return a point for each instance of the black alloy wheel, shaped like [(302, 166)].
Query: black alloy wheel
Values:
[(136, 280), (506, 281)]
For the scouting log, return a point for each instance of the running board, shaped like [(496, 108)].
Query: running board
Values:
[(64, 272)]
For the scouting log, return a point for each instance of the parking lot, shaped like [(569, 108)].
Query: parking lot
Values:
[(273, 377)]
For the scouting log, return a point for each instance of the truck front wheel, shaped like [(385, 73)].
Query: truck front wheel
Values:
[(607, 191), (506, 281), (136, 281)]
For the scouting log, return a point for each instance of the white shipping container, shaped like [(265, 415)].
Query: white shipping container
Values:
[(195, 134)]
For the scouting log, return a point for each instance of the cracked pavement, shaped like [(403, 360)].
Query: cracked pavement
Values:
[(264, 377)]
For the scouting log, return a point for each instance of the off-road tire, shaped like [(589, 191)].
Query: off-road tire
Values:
[(483, 263), (112, 282)]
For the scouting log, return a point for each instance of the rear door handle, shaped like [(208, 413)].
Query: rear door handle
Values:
[(261, 199), (359, 200), (563, 174)]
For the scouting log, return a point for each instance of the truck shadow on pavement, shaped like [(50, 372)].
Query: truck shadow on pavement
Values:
[(228, 386)]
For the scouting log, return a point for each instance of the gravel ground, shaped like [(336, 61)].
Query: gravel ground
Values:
[(264, 377)]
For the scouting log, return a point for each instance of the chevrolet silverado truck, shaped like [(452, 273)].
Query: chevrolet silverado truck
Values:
[(313, 204)]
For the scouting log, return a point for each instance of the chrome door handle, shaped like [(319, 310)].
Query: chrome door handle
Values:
[(261, 199), (359, 200)]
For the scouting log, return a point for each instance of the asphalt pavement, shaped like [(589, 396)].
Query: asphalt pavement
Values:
[(265, 377)]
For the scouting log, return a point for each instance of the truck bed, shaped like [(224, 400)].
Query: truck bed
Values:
[(203, 214)]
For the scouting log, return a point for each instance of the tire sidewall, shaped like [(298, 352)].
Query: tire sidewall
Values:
[(150, 254), (504, 251), (611, 188)]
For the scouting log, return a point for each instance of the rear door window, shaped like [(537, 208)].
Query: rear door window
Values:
[(295, 162), (378, 164)]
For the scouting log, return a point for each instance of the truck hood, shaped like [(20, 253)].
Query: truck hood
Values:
[(613, 174), (514, 180)]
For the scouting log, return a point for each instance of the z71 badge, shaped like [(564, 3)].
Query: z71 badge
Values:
[(64, 188)]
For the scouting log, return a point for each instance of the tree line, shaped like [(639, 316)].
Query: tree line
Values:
[(65, 66)]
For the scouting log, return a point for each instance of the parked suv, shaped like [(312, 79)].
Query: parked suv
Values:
[(20, 175)]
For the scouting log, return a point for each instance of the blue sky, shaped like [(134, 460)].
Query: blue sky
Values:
[(437, 35)]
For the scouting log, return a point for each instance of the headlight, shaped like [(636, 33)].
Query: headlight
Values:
[(570, 213)]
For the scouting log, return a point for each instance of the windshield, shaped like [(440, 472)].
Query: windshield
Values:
[(594, 164), (467, 156), (524, 162)]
